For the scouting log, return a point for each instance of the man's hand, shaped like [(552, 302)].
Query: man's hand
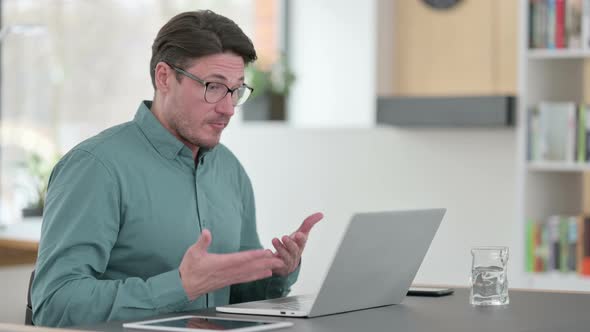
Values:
[(291, 247), (202, 272)]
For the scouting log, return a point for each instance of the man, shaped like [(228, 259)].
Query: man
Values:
[(154, 216)]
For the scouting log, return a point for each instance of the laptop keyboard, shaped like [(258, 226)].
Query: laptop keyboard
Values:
[(298, 302)]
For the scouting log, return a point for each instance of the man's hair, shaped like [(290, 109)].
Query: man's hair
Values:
[(191, 35)]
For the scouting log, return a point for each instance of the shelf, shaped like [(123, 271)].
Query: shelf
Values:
[(558, 281), (557, 54), (556, 166), (545, 187), (446, 111)]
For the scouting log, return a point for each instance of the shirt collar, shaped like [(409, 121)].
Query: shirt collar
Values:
[(163, 141)]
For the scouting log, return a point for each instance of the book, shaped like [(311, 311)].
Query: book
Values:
[(580, 246), (551, 23), (563, 251), (571, 132), (585, 199), (557, 131), (585, 252), (544, 23), (581, 133), (554, 243), (585, 24), (543, 250), (537, 23), (572, 243), (573, 23), (533, 13), (560, 24), (587, 131), (530, 245)]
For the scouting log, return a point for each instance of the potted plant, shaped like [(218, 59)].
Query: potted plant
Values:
[(271, 86), (37, 170)]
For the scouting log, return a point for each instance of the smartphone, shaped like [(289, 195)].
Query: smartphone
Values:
[(430, 291)]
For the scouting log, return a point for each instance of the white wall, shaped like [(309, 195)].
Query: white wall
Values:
[(340, 171), (333, 53), (385, 72)]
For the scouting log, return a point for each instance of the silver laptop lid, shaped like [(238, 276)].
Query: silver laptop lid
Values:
[(376, 260)]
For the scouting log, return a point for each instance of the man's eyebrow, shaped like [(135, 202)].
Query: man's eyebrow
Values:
[(221, 77)]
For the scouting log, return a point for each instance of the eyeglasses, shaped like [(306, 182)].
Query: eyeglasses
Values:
[(215, 91)]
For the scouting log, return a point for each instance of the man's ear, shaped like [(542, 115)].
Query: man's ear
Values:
[(162, 76)]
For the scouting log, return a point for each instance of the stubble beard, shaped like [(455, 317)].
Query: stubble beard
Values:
[(189, 133), (193, 138)]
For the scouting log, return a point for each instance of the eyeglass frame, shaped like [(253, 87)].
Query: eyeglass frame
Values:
[(206, 85)]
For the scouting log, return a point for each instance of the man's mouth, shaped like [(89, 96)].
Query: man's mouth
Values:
[(218, 125)]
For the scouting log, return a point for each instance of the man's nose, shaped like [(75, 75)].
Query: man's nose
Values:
[(226, 105)]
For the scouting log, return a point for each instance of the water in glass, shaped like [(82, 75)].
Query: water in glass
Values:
[(489, 282)]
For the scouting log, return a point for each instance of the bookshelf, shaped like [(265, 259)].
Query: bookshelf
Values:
[(557, 54), (547, 188), (558, 280), (551, 166)]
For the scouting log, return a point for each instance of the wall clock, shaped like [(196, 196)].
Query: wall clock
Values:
[(441, 4)]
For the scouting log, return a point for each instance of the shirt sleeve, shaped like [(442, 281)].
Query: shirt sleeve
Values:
[(268, 288), (80, 227)]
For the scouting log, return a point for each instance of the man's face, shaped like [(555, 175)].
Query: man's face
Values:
[(188, 114)]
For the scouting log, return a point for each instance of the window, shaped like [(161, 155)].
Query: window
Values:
[(71, 68)]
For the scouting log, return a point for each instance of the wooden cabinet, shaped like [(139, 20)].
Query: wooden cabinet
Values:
[(470, 49)]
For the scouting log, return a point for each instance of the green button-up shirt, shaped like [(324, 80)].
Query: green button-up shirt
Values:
[(121, 210)]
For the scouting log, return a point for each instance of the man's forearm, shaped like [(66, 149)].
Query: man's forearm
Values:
[(85, 300)]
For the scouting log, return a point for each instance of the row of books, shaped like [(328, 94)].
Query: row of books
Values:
[(558, 23), (560, 243), (559, 131)]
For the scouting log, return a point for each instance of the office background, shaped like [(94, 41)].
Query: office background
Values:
[(330, 154)]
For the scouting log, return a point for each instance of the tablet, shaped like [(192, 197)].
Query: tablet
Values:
[(203, 323)]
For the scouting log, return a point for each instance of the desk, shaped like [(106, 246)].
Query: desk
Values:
[(19, 243), (527, 311)]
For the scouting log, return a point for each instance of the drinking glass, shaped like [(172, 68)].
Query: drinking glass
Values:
[(489, 281)]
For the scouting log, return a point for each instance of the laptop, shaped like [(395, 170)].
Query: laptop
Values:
[(374, 265)]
